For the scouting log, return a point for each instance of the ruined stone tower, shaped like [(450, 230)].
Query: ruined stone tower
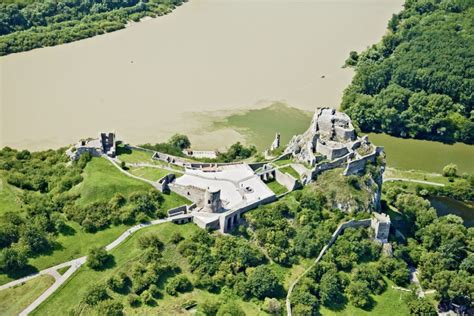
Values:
[(212, 200), (380, 222), (276, 142)]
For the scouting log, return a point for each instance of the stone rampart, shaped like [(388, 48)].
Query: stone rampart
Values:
[(358, 165), (193, 193), (349, 224), (287, 180), (177, 210), (231, 219)]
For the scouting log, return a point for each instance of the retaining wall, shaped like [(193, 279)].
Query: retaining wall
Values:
[(287, 180), (195, 194), (178, 210)]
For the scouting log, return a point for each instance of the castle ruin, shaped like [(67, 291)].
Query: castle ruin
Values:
[(105, 144), (331, 142)]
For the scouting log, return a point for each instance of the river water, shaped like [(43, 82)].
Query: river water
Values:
[(176, 73), (445, 206)]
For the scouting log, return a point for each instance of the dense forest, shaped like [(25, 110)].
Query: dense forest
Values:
[(418, 81), (25, 25)]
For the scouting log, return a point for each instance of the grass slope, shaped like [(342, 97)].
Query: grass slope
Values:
[(15, 299), (132, 155), (8, 196), (70, 294), (150, 173), (102, 181), (276, 187), (389, 303), (291, 171)]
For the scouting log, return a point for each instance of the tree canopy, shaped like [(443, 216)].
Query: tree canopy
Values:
[(418, 81)]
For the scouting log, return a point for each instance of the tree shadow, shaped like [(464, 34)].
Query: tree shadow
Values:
[(370, 304), (338, 304), (20, 273), (123, 150), (67, 230)]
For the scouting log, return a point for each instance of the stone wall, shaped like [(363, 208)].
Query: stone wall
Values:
[(352, 224), (358, 165), (287, 180), (331, 150), (233, 217), (193, 193), (344, 133), (177, 210), (163, 183)]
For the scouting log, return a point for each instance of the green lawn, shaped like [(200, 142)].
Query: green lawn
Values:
[(71, 293), (389, 303), (150, 173), (8, 196), (282, 162), (63, 270), (133, 156), (76, 245), (416, 175), (15, 299), (102, 181), (276, 187), (289, 170)]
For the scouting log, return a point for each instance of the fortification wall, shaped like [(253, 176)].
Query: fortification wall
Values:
[(195, 194), (352, 224), (286, 180), (344, 133), (358, 165), (234, 216), (177, 210), (329, 151)]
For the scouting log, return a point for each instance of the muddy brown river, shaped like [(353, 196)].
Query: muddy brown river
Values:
[(176, 73)]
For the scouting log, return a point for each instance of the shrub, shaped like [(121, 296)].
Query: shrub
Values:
[(97, 258), (134, 300), (177, 284), (150, 240), (118, 283), (230, 309), (176, 237), (110, 308), (450, 170), (272, 306), (95, 294), (147, 298), (208, 307)]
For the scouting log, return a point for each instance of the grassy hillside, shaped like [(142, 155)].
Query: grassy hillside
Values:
[(8, 196), (102, 181), (69, 296), (389, 303)]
